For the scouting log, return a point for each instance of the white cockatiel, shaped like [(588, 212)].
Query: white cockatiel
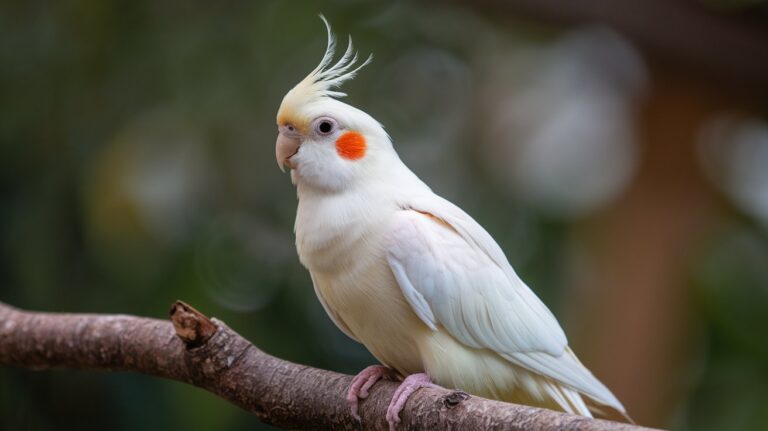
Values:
[(410, 275)]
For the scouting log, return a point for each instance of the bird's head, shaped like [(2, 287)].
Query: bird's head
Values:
[(326, 142)]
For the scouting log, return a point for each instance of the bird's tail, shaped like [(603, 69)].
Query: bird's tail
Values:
[(567, 384), (603, 411), (571, 401)]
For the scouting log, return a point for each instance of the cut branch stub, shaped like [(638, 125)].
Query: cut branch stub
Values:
[(192, 326)]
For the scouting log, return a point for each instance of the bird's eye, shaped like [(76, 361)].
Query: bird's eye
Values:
[(325, 125)]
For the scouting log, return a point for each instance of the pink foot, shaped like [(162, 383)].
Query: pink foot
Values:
[(408, 387), (363, 382)]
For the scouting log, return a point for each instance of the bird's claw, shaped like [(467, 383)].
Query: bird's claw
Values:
[(410, 385), (362, 382)]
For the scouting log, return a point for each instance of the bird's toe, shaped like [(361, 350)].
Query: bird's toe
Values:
[(410, 385), (362, 383)]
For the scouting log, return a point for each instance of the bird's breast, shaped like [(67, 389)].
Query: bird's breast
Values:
[(370, 304), (352, 277), (332, 231)]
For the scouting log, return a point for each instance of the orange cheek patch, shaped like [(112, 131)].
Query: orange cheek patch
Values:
[(351, 146)]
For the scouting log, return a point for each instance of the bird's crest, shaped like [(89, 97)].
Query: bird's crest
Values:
[(324, 80)]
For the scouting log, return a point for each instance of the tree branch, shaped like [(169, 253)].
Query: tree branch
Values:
[(206, 353)]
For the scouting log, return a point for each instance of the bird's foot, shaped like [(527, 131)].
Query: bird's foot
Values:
[(408, 387), (363, 382)]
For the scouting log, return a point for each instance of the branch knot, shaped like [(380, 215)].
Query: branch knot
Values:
[(192, 326)]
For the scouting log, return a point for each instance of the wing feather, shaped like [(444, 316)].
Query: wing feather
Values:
[(455, 276)]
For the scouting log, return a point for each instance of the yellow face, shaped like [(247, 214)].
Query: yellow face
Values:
[(310, 113), (290, 114)]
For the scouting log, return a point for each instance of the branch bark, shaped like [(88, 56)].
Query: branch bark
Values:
[(206, 353)]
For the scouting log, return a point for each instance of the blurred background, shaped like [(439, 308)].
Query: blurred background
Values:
[(618, 152)]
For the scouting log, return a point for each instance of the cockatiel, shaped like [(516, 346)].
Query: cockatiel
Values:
[(410, 275)]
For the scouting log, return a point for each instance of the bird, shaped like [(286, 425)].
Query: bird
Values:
[(407, 273)]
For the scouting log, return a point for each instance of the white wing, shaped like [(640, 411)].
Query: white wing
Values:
[(455, 275)]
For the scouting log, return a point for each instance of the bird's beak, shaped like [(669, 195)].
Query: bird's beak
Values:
[(287, 145)]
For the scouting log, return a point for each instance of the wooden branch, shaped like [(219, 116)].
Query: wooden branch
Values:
[(206, 353)]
